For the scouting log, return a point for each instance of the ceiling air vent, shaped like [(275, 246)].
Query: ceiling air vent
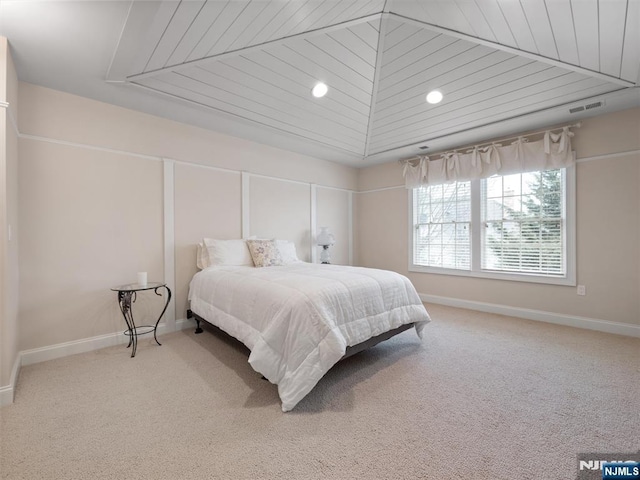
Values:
[(589, 106)]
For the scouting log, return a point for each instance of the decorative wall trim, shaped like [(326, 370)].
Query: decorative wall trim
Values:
[(7, 393), (313, 221), (268, 177), (607, 156), (161, 159), (184, 323), (246, 204), (168, 212), (11, 117), (66, 143), (51, 352), (340, 189), (208, 167), (605, 326), (170, 323), (381, 189), (350, 225)]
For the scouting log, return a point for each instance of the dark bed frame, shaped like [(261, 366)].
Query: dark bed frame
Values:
[(352, 350)]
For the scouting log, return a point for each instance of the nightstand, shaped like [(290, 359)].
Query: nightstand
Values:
[(127, 295)]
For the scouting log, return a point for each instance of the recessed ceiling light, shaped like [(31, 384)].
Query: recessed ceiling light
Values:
[(434, 96), (320, 90)]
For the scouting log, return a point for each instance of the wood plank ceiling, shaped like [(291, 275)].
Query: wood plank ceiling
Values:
[(492, 59)]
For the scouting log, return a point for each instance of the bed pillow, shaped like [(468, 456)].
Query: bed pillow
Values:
[(265, 253), (286, 247), (202, 260), (287, 251), (227, 252)]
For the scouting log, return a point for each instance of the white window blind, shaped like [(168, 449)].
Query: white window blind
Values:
[(442, 226), (497, 210), (517, 227), (523, 223)]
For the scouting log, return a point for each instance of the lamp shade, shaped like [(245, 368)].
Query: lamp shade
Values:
[(325, 238)]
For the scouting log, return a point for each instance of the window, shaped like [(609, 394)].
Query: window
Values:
[(442, 221), (518, 227)]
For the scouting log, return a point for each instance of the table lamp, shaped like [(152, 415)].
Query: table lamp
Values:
[(325, 239)]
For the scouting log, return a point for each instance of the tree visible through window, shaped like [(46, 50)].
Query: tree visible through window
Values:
[(519, 222), (442, 221), (523, 223)]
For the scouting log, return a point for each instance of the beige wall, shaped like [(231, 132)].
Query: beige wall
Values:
[(92, 179), (333, 212), (90, 220), (207, 204), (281, 210), (94, 123), (608, 231), (91, 186), (8, 216)]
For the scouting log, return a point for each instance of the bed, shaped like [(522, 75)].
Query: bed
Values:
[(299, 319)]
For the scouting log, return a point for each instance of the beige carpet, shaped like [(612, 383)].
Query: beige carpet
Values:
[(483, 397)]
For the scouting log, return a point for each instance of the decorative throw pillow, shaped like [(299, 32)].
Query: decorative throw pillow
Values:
[(265, 253)]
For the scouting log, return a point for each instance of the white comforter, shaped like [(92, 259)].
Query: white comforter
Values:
[(298, 319)]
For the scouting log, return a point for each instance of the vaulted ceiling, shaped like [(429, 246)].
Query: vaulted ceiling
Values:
[(501, 65)]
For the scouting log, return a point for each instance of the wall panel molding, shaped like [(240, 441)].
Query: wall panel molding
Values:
[(383, 189), (313, 222), (246, 205), (607, 156), (12, 117), (66, 143), (168, 212), (170, 323), (350, 212)]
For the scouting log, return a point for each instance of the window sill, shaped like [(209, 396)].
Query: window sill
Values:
[(511, 277)]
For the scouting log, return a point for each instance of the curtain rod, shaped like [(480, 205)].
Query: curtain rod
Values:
[(575, 125)]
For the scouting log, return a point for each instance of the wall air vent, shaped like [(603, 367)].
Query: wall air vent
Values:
[(589, 106)]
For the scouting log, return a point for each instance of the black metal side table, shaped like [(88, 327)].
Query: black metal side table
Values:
[(127, 295)]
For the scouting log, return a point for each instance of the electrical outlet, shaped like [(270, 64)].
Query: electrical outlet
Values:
[(582, 290)]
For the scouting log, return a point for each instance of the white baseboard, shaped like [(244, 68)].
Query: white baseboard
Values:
[(51, 352), (7, 392), (538, 315), (60, 350), (185, 323)]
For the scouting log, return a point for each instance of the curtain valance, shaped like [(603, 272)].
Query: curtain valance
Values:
[(551, 152)]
